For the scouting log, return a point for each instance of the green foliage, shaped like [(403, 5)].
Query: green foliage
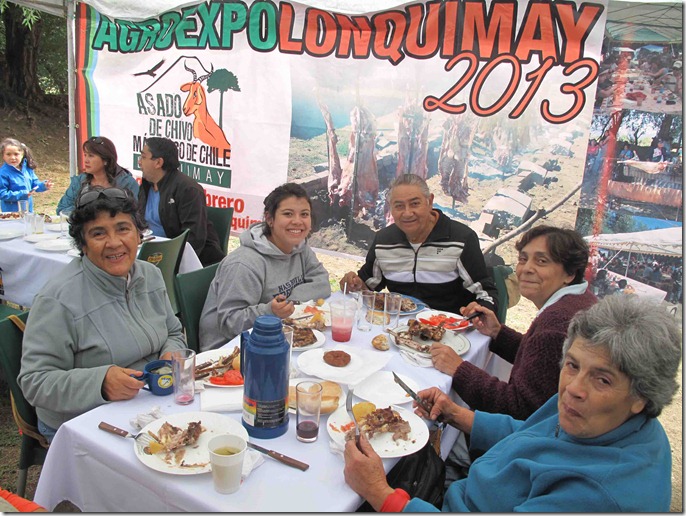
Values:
[(222, 80), (31, 16), (52, 56)]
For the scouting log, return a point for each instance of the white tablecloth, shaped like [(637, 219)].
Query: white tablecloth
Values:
[(25, 269), (100, 472)]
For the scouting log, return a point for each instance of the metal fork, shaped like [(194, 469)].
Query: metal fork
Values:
[(349, 409), (141, 438)]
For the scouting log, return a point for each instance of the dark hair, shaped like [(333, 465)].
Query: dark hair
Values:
[(166, 149), (278, 194), (90, 211), (566, 247), (103, 147), (28, 155)]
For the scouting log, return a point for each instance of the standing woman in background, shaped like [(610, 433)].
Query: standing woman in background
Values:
[(100, 168), (18, 181)]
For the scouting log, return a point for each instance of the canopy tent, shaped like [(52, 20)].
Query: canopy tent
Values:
[(645, 22), (663, 242)]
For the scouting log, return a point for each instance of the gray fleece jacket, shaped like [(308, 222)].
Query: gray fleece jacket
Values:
[(248, 279), (84, 321)]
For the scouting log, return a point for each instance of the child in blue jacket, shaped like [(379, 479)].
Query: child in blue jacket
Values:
[(18, 181)]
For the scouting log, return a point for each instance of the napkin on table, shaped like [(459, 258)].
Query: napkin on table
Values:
[(217, 399)]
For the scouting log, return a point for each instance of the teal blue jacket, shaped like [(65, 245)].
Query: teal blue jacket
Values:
[(534, 466), (122, 180)]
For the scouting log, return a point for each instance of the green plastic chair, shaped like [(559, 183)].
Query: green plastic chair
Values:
[(191, 292), (221, 220), (6, 310), (500, 272), (166, 255), (33, 444)]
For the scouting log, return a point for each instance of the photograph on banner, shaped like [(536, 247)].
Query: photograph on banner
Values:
[(359, 124), (255, 94)]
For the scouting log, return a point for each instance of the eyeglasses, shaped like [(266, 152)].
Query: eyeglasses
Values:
[(96, 193)]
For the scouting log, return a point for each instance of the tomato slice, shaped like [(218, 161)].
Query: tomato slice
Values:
[(230, 377)]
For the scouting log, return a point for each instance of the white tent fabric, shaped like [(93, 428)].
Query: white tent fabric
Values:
[(645, 22), (663, 242)]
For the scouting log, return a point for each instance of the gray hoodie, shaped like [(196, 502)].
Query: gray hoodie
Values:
[(248, 279)]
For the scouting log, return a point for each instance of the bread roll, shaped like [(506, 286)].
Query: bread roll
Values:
[(331, 393), (380, 342)]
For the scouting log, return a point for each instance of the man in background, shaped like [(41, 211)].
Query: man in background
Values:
[(172, 202)]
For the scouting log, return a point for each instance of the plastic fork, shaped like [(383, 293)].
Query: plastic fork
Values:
[(142, 439)]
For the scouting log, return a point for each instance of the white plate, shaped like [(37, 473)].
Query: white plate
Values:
[(214, 424), (61, 245), (459, 343), (383, 444), (74, 252), (54, 227), (426, 314), (40, 237), (214, 354), (321, 339), (382, 391), (362, 364), (295, 381), (7, 234), (300, 311), (421, 305)]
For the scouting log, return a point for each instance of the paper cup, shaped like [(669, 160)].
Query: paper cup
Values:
[(226, 459)]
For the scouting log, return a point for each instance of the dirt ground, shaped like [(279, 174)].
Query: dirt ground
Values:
[(46, 134)]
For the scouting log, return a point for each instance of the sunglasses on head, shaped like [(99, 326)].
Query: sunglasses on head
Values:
[(97, 140), (95, 194)]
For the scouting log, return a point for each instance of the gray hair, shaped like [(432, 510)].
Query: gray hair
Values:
[(643, 341), (410, 180)]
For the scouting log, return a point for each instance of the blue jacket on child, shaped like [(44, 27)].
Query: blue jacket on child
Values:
[(15, 186)]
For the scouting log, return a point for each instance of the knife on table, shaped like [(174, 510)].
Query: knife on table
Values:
[(415, 397), (288, 461)]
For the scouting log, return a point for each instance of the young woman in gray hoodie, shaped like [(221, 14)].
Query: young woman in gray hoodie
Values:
[(273, 267)]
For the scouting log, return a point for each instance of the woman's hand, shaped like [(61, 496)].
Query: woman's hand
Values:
[(353, 281), (282, 307), (441, 405), (445, 359), (364, 472), (48, 184), (118, 384), (487, 323)]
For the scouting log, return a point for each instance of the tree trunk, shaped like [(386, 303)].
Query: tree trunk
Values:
[(21, 54), (665, 126)]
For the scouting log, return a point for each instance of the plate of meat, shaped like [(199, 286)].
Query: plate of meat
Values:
[(307, 338), (392, 431), (408, 305), (417, 337), (184, 437), (446, 320)]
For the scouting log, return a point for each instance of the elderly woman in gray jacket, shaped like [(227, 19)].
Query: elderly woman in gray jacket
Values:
[(101, 320)]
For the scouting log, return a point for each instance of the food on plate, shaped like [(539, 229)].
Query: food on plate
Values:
[(10, 215), (172, 440), (230, 361), (407, 305), (363, 409), (303, 337), (425, 331), (445, 321), (337, 358), (373, 421), (403, 338), (380, 342), (320, 301), (230, 377), (47, 218), (377, 316), (331, 394), (316, 322)]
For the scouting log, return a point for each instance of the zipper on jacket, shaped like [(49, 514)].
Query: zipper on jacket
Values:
[(128, 305)]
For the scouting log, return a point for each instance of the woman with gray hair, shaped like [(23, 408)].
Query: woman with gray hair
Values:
[(595, 446)]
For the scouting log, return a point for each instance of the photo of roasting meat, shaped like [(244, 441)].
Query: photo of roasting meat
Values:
[(425, 331), (335, 169), (413, 145), (458, 134), (361, 161)]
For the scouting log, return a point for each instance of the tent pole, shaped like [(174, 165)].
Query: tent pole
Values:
[(71, 85)]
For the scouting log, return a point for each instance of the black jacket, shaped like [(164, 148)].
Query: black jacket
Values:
[(447, 272), (182, 206)]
